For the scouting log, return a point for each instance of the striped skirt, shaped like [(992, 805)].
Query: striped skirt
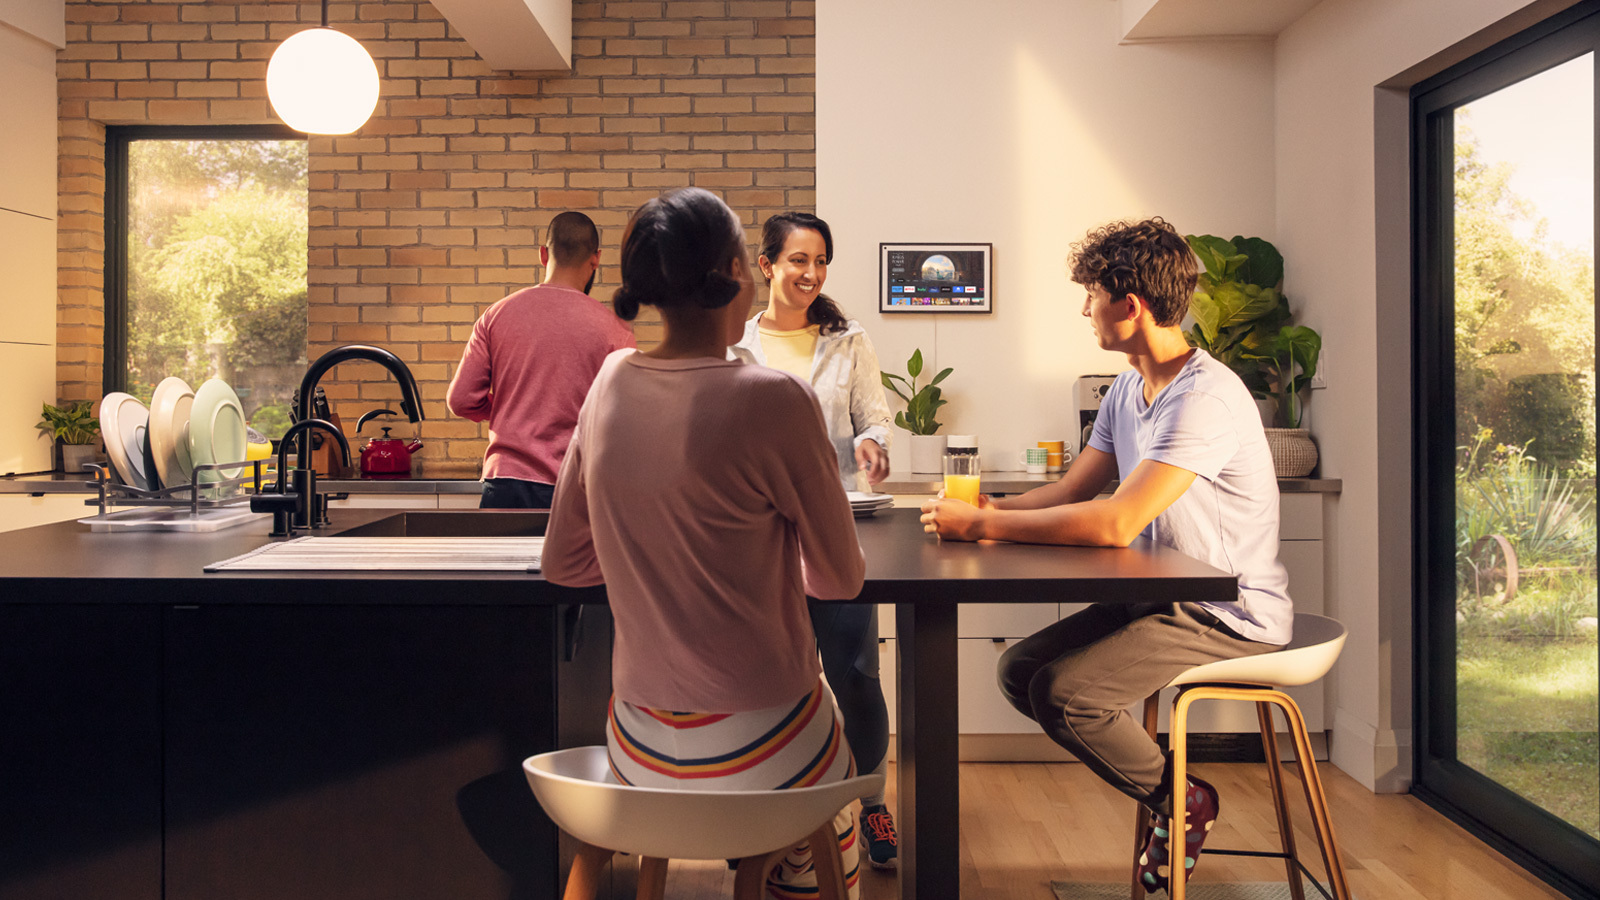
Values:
[(795, 745)]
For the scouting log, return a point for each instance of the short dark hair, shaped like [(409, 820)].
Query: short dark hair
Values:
[(1146, 258), (676, 252), (775, 233), (573, 238)]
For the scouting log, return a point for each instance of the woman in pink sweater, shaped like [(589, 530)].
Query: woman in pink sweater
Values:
[(705, 494)]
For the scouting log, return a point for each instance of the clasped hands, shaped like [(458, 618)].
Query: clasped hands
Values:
[(955, 520)]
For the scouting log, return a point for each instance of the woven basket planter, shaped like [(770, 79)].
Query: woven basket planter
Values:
[(1294, 454)]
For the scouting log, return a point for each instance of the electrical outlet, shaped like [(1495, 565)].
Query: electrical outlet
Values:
[(1320, 380)]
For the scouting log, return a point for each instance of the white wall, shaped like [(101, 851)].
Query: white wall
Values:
[(1342, 224), (30, 33), (1024, 124)]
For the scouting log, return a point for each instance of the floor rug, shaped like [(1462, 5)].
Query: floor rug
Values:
[(1254, 890)]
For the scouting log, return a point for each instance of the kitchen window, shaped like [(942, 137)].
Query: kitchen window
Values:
[(1507, 693), (206, 257)]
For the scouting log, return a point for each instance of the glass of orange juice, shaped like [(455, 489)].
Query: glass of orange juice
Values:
[(961, 469)]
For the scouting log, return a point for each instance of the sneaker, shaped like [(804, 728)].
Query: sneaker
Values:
[(1201, 806), (883, 844)]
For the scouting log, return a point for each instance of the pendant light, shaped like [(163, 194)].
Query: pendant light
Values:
[(322, 81)]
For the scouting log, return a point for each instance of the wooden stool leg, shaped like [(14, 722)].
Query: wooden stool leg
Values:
[(1269, 745), (583, 882), (1141, 816), (1315, 797), (1178, 736), (652, 878), (750, 881), (828, 864)]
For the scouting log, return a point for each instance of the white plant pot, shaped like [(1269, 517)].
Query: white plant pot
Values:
[(927, 454)]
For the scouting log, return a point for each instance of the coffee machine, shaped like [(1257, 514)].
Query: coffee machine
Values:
[(1089, 391)]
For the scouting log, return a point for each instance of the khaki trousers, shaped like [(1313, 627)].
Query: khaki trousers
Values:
[(1077, 677)]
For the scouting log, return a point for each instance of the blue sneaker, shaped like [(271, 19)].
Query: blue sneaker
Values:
[(883, 844)]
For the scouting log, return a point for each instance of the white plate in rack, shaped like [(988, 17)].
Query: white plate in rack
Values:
[(123, 420), (169, 430)]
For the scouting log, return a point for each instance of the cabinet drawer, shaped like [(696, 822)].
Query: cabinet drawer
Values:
[(986, 620), (386, 501), (1300, 517), (981, 708)]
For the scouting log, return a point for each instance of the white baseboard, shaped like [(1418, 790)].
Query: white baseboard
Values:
[(1378, 759)]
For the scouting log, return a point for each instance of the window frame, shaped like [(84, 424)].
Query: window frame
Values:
[(1546, 845), (114, 350)]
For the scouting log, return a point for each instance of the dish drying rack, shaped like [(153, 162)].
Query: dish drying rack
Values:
[(210, 506)]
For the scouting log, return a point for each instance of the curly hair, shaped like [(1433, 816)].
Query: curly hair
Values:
[(676, 252), (1148, 259)]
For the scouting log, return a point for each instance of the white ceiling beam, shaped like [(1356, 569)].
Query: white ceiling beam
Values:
[(1149, 21), (515, 35)]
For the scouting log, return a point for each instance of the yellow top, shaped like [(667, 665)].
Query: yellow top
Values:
[(791, 351)]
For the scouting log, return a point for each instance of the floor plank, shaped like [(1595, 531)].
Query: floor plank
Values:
[(1026, 824)]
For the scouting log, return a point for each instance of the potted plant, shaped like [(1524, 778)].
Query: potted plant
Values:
[(927, 448), (75, 428), (1242, 319)]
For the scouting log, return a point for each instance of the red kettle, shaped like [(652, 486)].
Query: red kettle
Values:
[(386, 457)]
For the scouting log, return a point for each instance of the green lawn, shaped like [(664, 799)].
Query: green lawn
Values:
[(1527, 717)]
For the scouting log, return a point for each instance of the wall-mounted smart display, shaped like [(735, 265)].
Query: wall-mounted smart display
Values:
[(941, 278)]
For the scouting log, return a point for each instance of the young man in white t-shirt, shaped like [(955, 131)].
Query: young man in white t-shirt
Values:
[(1183, 434)]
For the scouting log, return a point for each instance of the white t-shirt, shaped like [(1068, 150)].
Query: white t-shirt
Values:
[(1206, 422)]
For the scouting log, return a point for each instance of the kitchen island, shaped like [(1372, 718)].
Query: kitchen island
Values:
[(351, 735)]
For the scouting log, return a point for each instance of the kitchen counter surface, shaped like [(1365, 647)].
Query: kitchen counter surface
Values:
[(993, 482)]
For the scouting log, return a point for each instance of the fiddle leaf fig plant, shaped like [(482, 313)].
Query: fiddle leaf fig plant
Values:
[(921, 404), (1242, 319), (71, 424)]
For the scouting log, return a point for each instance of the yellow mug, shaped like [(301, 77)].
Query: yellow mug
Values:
[(1055, 454)]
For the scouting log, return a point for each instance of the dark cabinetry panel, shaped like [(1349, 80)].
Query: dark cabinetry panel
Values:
[(349, 752), (80, 752)]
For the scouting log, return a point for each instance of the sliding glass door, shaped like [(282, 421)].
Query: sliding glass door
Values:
[(1505, 330)]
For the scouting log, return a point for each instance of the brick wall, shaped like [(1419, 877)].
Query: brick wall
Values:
[(433, 210)]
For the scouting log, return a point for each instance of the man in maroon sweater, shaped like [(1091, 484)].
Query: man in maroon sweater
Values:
[(529, 364)]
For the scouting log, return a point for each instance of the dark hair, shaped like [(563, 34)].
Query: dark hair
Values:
[(573, 238), (676, 252), (1146, 258), (775, 233)]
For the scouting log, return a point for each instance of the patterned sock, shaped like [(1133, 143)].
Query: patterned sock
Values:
[(1201, 806)]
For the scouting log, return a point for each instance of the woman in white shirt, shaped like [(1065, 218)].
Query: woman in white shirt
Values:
[(804, 332)]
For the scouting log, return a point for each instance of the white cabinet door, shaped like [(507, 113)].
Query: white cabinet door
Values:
[(459, 501), (28, 292), (26, 511), (28, 376), (28, 109)]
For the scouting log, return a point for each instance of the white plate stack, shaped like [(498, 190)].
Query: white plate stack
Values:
[(868, 504)]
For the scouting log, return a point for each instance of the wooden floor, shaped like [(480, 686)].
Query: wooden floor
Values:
[(1026, 824)]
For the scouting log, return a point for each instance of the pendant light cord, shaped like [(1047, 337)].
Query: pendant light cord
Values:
[(324, 13)]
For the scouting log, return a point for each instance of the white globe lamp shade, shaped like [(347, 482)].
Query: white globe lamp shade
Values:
[(322, 81)]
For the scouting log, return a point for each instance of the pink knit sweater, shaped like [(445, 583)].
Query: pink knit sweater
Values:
[(706, 495), (526, 368)]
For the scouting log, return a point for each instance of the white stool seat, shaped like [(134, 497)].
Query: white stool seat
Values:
[(579, 793), (1313, 651)]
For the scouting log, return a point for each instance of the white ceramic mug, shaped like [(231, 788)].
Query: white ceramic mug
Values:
[(1034, 460)]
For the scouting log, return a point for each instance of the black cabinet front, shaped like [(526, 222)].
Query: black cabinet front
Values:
[(348, 752)]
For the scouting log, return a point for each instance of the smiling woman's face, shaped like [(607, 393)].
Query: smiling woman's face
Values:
[(797, 275)]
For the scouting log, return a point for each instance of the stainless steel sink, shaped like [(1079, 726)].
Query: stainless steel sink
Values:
[(455, 523)]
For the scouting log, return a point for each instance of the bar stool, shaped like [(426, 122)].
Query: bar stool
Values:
[(579, 793), (1313, 651)]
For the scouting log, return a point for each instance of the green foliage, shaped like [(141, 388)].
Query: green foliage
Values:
[(72, 424), (218, 263), (271, 421), (1241, 318), (921, 404), (1523, 307)]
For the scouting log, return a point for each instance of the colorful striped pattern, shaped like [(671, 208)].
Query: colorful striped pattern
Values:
[(796, 745)]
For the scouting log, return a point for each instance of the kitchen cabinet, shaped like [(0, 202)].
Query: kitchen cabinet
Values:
[(28, 257), (28, 107), (80, 696), (26, 510), (354, 751), (28, 372)]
